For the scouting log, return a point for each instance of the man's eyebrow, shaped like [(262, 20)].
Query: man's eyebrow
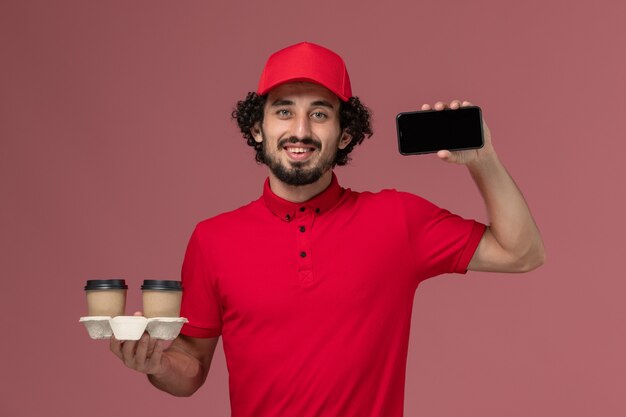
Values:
[(282, 102), (322, 103), (318, 103)]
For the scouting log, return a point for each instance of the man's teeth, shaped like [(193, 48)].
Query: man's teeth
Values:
[(299, 150)]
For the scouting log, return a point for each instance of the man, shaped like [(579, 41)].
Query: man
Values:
[(311, 286)]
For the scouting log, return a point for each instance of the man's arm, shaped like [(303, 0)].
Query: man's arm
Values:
[(179, 370), (511, 243)]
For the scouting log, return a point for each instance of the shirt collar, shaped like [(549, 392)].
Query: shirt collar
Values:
[(287, 210)]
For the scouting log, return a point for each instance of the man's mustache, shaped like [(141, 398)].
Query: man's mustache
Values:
[(305, 141)]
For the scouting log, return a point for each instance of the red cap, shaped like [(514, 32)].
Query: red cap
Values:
[(306, 62)]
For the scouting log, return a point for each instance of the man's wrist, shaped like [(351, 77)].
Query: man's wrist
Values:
[(485, 159)]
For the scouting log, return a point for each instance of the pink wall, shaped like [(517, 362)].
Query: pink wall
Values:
[(115, 140)]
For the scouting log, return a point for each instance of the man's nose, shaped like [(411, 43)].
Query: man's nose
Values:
[(302, 126)]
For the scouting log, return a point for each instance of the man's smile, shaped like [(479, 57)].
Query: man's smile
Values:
[(299, 152)]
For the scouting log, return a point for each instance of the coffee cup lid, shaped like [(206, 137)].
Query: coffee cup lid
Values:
[(106, 284), (161, 285)]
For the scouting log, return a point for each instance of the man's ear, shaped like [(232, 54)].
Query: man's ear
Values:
[(346, 138), (256, 133)]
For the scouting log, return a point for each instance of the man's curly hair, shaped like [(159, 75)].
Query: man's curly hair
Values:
[(354, 117)]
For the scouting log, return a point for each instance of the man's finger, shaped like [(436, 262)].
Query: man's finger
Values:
[(455, 104), (467, 103), (444, 155), (128, 352), (116, 347), (440, 105), (159, 347), (142, 349), (425, 106), (157, 353), (151, 344), (450, 157)]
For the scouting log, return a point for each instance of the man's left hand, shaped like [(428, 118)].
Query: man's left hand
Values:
[(468, 156)]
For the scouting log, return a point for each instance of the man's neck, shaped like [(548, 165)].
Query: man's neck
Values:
[(300, 193)]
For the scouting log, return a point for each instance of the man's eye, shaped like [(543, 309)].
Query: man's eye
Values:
[(319, 115), (283, 113)]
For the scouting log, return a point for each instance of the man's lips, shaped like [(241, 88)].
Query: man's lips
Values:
[(298, 148), (298, 151)]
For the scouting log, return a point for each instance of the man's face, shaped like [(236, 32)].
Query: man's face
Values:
[(301, 132)]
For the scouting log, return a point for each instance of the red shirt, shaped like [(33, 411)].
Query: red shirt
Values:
[(313, 300)]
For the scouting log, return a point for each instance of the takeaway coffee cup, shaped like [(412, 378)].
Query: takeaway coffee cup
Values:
[(161, 298), (106, 297)]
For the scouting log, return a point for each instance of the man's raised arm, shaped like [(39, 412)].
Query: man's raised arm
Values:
[(512, 242)]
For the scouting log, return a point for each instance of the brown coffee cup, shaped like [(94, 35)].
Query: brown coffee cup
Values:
[(106, 297), (161, 298)]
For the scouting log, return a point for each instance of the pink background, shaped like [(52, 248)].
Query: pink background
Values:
[(115, 140)]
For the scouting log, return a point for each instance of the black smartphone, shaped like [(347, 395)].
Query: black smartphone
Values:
[(429, 131)]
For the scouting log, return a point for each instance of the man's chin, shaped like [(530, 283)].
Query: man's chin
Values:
[(298, 165), (297, 177)]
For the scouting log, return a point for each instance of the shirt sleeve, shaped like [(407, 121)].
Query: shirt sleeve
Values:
[(200, 303), (441, 242)]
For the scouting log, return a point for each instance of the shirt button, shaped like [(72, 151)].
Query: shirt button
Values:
[(287, 216), (302, 228), (302, 208), (303, 254), (317, 211)]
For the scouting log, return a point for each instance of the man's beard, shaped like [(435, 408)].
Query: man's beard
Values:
[(298, 173)]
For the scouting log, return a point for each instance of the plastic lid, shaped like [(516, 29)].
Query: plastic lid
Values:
[(106, 284), (161, 285)]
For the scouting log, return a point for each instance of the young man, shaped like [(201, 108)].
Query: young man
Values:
[(311, 286)]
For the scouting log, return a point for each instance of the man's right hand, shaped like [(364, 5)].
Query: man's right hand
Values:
[(180, 369), (144, 355)]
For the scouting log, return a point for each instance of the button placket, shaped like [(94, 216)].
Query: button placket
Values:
[(303, 224)]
